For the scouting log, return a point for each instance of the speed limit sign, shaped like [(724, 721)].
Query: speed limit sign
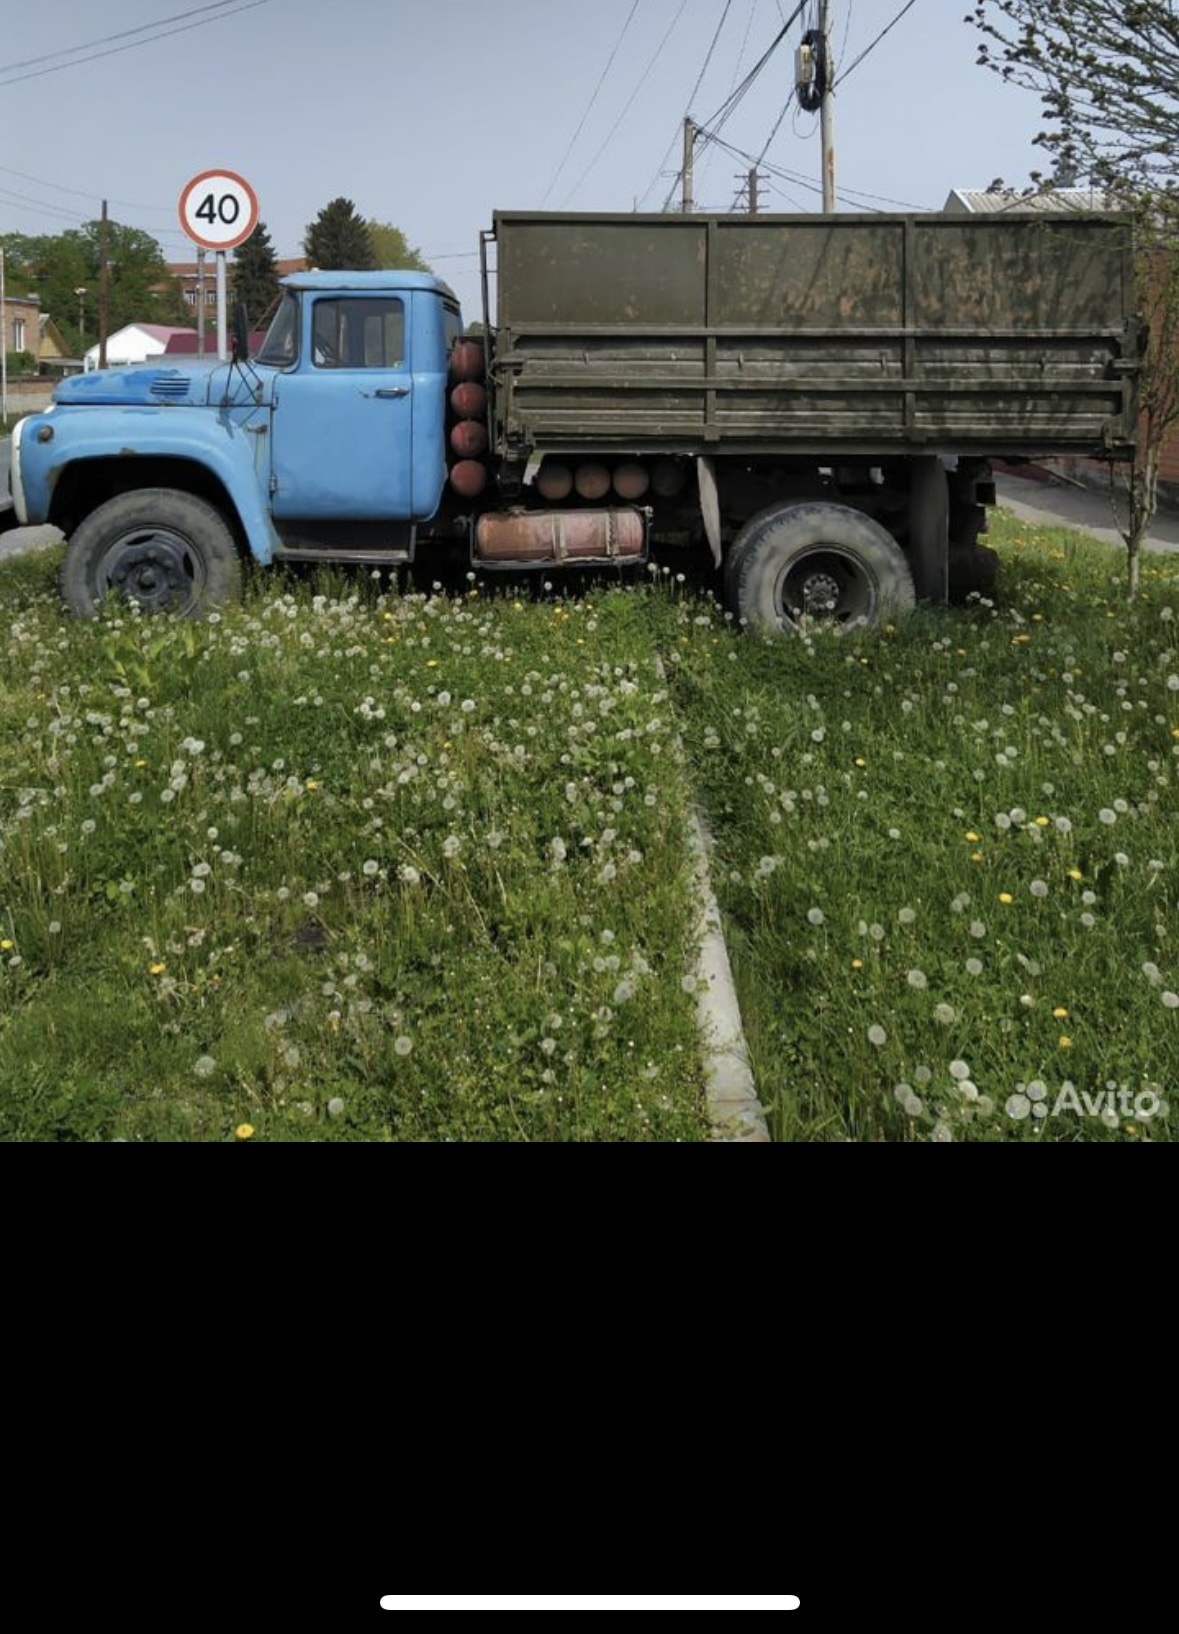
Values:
[(218, 210)]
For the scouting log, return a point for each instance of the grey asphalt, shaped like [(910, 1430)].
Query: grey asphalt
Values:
[(1054, 503)]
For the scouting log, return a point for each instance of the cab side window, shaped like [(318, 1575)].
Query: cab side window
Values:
[(359, 334)]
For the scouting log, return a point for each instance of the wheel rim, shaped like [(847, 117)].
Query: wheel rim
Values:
[(827, 586), (154, 567)]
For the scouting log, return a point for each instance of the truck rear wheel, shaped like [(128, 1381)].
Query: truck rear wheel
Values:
[(818, 563), (165, 550)]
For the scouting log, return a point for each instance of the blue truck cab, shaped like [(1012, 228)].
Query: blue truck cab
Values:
[(329, 445)]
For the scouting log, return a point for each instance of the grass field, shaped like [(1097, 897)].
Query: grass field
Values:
[(345, 865)]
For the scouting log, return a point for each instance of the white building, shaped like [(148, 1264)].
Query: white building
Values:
[(137, 343)]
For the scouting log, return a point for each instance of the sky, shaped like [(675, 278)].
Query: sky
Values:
[(434, 113)]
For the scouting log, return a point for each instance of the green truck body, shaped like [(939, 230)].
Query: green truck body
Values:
[(1000, 335)]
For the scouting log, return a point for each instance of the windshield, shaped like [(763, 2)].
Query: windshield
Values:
[(281, 347)]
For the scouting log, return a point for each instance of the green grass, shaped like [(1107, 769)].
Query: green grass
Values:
[(341, 866), (948, 856), (351, 866)]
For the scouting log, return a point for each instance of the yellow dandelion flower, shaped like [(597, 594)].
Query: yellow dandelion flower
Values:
[(862, 764), (1042, 822), (312, 786), (973, 838), (5, 946), (857, 964), (244, 1131), (977, 856), (1006, 897), (157, 969), (1075, 873), (1060, 1015), (1066, 1043)]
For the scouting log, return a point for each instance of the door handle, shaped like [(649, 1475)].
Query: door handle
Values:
[(393, 395)]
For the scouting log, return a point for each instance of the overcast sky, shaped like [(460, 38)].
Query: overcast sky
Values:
[(433, 113)]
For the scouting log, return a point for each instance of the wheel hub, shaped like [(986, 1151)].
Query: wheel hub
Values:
[(821, 595), (153, 572)]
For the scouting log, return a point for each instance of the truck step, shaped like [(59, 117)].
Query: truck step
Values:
[(346, 558)]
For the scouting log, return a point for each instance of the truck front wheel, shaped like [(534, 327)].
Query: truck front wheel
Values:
[(161, 548), (800, 565)]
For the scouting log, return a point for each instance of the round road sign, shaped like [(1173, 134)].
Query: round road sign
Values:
[(218, 210)]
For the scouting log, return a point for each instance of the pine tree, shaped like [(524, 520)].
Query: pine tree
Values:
[(338, 240), (255, 274)]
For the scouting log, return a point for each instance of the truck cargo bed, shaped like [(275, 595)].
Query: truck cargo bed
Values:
[(811, 335)]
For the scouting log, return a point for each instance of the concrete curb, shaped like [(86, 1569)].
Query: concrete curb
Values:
[(736, 1113)]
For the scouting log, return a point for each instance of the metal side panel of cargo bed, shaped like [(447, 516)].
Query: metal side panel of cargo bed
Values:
[(762, 335)]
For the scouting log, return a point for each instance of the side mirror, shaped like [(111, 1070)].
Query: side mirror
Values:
[(241, 335)]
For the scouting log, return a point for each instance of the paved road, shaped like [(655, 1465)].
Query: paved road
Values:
[(21, 540), (1057, 504)]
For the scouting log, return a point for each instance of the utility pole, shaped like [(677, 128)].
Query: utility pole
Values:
[(3, 344), (104, 287), (827, 111), (690, 132), (754, 194)]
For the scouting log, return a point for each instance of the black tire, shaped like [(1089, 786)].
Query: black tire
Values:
[(821, 564), (159, 547)]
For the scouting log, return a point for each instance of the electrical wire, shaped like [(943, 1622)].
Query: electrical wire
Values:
[(864, 55), (117, 50), (650, 69), (592, 103), (654, 182)]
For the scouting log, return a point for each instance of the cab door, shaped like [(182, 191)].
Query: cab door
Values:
[(342, 444)]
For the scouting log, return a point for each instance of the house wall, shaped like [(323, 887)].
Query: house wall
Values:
[(22, 326)]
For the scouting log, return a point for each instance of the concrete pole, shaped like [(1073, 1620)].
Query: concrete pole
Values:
[(690, 130), (200, 301), (104, 285), (827, 114)]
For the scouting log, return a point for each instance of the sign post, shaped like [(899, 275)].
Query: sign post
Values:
[(219, 211)]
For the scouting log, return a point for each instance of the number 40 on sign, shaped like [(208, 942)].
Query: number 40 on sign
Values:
[(218, 210)]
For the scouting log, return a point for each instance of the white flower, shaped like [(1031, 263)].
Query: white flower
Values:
[(877, 1037), (917, 979), (817, 917), (403, 1047), (205, 1067)]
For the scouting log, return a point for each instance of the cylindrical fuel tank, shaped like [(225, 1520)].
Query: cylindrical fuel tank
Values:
[(555, 482), (469, 479), (469, 439), (669, 479), (468, 361), (593, 482), (556, 538), (631, 481), (469, 401)]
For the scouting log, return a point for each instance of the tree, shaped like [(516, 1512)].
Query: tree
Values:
[(56, 268), (1108, 81), (391, 249), (255, 274), (338, 240)]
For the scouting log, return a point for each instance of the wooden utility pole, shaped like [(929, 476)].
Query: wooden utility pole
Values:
[(104, 285), (827, 112)]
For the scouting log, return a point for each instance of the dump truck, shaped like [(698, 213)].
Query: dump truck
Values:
[(811, 403)]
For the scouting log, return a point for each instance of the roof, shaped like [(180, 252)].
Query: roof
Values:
[(190, 269), (1056, 201), (375, 282), (184, 343), (158, 331)]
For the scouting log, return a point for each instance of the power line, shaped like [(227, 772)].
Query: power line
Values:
[(117, 50), (107, 39), (653, 183), (904, 12), (650, 69), (592, 101)]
